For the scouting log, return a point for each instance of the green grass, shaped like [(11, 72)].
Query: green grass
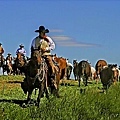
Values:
[(72, 105), (11, 77)]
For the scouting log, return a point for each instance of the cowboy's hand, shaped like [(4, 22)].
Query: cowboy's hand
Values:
[(43, 49)]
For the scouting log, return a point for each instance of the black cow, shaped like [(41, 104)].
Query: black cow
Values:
[(69, 71), (106, 76), (75, 69)]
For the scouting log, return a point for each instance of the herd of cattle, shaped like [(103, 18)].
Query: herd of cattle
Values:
[(107, 73), (82, 70)]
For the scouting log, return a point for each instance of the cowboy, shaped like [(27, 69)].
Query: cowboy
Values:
[(1, 51), (45, 44), (9, 58), (21, 50)]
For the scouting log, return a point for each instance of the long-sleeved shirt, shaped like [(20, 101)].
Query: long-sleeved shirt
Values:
[(1, 50), (50, 42), (21, 50)]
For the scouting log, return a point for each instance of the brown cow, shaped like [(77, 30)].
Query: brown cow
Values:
[(115, 72), (99, 66), (62, 63)]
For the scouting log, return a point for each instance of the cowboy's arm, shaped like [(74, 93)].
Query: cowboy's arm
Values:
[(52, 44), (33, 44), (17, 51), (24, 52)]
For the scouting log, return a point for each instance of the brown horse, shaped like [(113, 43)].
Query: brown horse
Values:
[(62, 63), (9, 66), (36, 77), (53, 80), (19, 64), (99, 66)]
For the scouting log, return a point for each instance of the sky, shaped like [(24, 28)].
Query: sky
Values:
[(81, 29)]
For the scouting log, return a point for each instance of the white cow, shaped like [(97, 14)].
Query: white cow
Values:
[(68, 63), (93, 71), (69, 69)]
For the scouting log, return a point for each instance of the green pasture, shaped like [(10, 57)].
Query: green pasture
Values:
[(90, 104)]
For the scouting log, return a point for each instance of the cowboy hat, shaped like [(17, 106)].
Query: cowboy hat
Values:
[(42, 29), (0, 43), (21, 45), (9, 53)]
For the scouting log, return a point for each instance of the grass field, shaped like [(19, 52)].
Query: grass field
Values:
[(91, 104)]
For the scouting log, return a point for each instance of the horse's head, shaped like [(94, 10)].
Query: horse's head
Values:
[(20, 60), (36, 56), (83, 66)]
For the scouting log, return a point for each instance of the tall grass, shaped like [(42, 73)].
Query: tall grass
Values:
[(72, 105)]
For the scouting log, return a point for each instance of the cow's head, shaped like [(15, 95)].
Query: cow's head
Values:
[(75, 63)]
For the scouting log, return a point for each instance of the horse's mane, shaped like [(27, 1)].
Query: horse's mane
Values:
[(31, 68)]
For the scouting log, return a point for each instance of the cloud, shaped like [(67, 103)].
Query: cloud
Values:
[(74, 44), (57, 38), (70, 42), (56, 30)]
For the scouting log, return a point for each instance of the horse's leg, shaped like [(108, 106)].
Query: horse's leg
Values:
[(46, 93), (46, 87), (97, 79), (86, 79), (41, 91), (3, 70), (75, 77), (30, 90), (57, 80), (79, 80), (65, 75)]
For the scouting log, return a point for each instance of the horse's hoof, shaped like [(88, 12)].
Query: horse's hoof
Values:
[(62, 84), (42, 95), (68, 84), (37, 104), (65, 84), (24, 105), (58, 96), (47, 96)]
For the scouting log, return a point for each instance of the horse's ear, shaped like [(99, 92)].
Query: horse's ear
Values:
[(54, 54)]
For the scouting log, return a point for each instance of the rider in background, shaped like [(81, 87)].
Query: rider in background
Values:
[(21, 50), (45, 44), (9, 58), (1, 51)]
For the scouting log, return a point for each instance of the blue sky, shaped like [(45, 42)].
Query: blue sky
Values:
[(81, 29)]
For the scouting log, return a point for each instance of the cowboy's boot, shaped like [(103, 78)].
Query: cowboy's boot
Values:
[(52, 65)]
